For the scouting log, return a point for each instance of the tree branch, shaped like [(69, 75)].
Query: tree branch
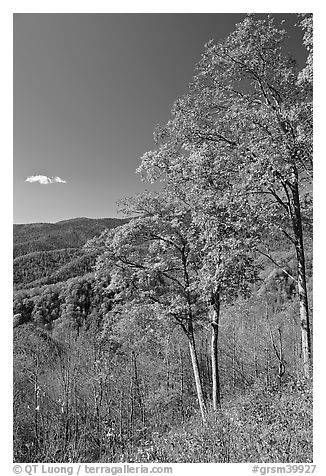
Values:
[(277, 264)]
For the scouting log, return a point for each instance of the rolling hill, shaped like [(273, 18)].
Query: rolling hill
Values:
[(46, 253)]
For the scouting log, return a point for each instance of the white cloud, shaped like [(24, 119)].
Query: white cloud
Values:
[(44, 180), (58, 180)]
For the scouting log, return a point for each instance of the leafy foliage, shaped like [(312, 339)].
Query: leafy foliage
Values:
[(218, 262)]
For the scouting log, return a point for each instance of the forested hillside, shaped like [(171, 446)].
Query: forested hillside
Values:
[(47, 253), (72, 233), (184, 332)]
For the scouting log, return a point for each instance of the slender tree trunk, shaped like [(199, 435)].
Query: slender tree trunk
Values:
[(281, 366), (196, 371), (181, 383), (138, 390), (167, 378), (268, 379), (233, 355), (296, 358), (120, 415), (293, 207), (256, 363), (131, 412), (208, 360), (215, 316), (302, 284), (256, 352), (36, 409)]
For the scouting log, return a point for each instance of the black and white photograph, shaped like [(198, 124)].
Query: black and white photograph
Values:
[(162, 241)]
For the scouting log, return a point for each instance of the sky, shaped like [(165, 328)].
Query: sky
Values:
[(88, 90)]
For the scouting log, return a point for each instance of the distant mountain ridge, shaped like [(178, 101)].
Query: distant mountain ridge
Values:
[(46, 253), (73, 233)]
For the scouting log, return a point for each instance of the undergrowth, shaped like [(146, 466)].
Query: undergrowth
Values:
[(263, 425)]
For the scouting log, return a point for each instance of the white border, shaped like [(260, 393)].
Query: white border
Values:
[(319, 196)]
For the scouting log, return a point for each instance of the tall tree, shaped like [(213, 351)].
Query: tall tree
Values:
[(186, 265), (246, 125), (154, 259), (227, 270)]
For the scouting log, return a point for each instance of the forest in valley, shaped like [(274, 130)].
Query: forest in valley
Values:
[(183, 331)]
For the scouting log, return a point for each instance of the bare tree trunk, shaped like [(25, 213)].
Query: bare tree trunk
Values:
[(131, 412), (256, 359), (120, 414), (208, 359), (304, 315), (36, 409), (256, 363), (296, 357), (139, 395), (268, 379), (302, 284), (281, 366), (215, 316), (278, 351), (233, 355), (167, 378), (196, 371), (181, 384), (293, 207)]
